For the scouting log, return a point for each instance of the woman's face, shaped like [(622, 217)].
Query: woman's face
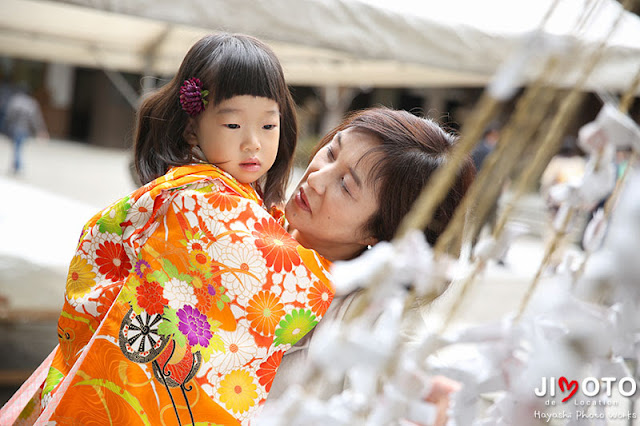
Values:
[(334, 200)]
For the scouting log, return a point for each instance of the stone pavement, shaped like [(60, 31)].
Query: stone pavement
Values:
[(64, 183)]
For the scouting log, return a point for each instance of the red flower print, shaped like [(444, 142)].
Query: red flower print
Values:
[(264, 311), (151, 297), (216, 295), (320, 298), (267, 371), (205, 300), (112, 261), (198, 279), (277, 247), (278, 214), (221, 201), (106, 299), (196, 246)]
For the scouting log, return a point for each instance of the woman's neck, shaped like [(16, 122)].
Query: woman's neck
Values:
[(329, 251)]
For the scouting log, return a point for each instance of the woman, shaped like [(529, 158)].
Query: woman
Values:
[(362, 180), (359, 185)]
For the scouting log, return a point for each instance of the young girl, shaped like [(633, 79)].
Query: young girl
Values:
[(183, 296), (223, 80)]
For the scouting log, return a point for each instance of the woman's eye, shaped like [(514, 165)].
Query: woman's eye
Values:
[(344, 186), (269, 126), (330, 153), (232, 126)]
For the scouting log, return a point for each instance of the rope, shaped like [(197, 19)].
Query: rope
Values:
[(531, 174)]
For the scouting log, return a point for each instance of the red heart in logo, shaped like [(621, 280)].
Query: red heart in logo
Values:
[(562, 382)]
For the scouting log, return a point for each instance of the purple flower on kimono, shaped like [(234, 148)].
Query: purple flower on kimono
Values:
[(141, 266), (194, 325), (211, 290)]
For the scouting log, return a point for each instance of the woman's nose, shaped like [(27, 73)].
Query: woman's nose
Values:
[(316, 181)]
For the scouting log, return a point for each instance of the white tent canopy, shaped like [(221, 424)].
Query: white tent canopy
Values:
[(392, 43)]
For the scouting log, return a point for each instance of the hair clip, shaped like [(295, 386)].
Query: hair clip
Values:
[(192, 97)]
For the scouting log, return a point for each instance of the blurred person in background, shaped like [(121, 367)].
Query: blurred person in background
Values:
[(22, 120), (6, 91), (566, 168), (487, 144)]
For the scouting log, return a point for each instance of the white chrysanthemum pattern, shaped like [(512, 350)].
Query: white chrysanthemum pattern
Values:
[(179, 293)]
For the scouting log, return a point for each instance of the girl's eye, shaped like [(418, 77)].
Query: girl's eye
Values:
[(232, 126), (269, 126)]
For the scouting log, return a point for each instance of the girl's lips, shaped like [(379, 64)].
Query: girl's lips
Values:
[(251, 165), (301, 201)]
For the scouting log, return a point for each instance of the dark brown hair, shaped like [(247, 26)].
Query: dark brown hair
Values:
[(411, 149), (228, 65)]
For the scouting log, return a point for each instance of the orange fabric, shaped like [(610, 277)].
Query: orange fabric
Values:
[(180, 301)]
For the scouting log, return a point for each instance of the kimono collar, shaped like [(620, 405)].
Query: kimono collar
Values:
[(182, 175)]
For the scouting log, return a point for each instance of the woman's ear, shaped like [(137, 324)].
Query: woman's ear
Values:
[(370, 241), (189, 133)]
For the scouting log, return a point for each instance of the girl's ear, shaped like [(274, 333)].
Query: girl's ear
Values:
[(189, 133)]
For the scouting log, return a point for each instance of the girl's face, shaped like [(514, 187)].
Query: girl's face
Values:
[(333, 201), (239, 135)]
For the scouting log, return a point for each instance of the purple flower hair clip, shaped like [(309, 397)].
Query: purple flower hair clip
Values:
[(192, 98)]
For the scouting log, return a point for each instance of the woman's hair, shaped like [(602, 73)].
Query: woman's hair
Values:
[(228, 65), (411, 149)]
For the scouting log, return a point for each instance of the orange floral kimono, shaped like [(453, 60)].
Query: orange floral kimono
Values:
[(180, 302)]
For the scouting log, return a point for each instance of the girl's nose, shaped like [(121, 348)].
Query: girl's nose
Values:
[(251, 143)]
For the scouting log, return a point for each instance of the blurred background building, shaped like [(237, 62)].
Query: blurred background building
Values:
[(88, 62)]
